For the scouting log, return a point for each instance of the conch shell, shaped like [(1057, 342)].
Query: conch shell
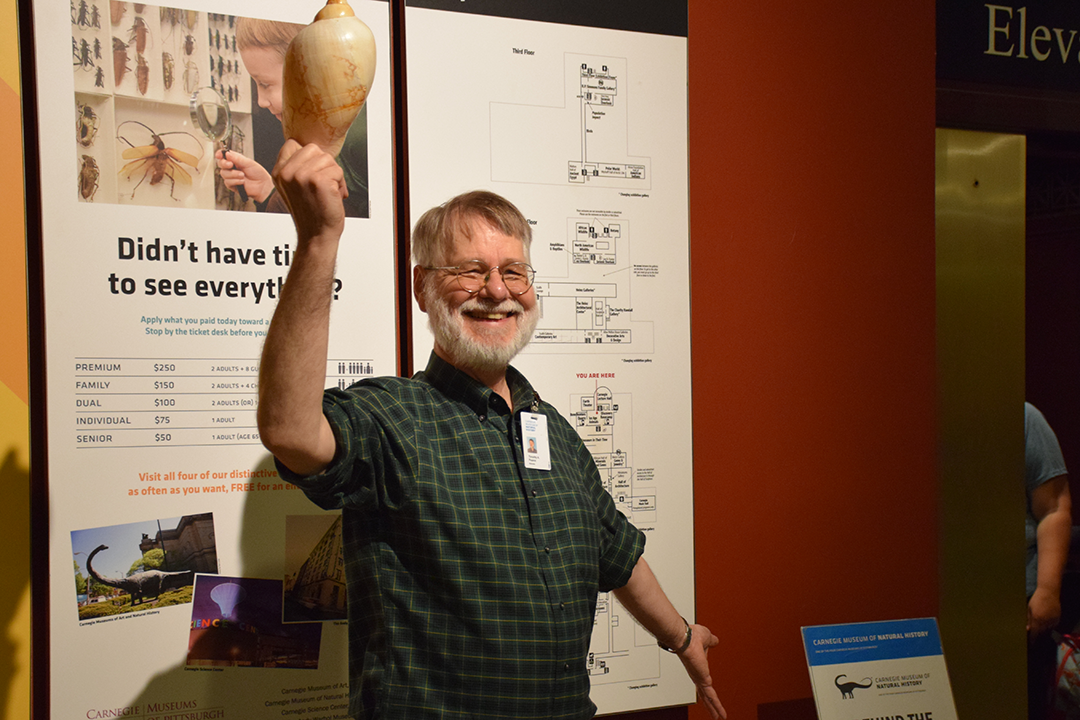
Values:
[(329, 67)]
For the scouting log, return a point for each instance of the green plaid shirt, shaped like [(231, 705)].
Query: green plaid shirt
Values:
[(472, 579)]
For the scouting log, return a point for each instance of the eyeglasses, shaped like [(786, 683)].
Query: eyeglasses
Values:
[(473, 275)]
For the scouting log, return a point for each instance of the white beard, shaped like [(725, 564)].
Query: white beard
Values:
[(478, 353)]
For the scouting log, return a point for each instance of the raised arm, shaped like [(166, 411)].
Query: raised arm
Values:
[(646, 601), (293, 368)]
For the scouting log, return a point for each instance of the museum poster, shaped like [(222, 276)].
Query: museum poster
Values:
[(186, 578), (577, 113)]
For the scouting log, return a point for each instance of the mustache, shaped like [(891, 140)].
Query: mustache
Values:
[(476, 304)]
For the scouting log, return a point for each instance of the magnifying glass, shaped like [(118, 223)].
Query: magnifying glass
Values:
[(210, 112)]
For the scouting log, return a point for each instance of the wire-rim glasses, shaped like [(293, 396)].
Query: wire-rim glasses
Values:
[(473, 275)]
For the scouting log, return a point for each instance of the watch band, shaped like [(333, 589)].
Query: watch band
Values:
[(686, 640)]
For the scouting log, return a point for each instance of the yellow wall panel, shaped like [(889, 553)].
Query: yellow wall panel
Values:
[(15, 560), (14, 414)]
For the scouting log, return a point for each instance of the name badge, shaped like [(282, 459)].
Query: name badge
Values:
[(534, 441)]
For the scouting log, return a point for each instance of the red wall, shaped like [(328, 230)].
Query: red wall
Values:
[(812, 216)]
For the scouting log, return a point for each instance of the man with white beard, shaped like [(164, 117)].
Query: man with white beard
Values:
[(477, 531)]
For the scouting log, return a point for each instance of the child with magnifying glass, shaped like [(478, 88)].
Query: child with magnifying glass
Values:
[(262, 45)]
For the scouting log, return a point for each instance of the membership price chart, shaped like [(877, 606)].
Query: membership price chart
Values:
[(130, 402)]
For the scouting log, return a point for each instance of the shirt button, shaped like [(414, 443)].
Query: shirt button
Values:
[(562, 606), (534, 493), (482, 418), (566, 667), (547, 549)]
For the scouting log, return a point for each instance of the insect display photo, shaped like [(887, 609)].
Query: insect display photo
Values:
[(135, 68)]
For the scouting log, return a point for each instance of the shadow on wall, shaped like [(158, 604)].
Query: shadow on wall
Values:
[(262, 539), (15, 569)]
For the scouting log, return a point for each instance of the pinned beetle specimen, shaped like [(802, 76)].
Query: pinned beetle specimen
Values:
[(142, 74), (191, 76), (97, 49), (236, 139), (120, 60), (189, 44), (95, 16), (88, 178), (117, 10), (86, 124), (168, 67), (224, 196), (99, 77), (84, 56), (83, 19), (170, 16), (156, 161), (138, 34)]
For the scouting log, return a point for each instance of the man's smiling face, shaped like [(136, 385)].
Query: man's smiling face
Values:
[(482, 330)]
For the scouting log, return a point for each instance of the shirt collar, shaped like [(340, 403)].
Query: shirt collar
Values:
[(459, 386)]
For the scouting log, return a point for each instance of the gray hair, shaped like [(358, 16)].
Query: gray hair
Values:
[(436, 231)]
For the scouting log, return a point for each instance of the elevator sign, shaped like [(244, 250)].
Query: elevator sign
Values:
[(1029, 44)]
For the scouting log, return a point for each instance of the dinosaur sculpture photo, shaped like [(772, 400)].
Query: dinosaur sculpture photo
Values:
[(142, 585)]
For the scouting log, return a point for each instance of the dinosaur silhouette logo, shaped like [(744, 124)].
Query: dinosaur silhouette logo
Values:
[(847, 689)]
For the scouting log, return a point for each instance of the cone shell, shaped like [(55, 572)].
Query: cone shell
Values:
[(329, 67)]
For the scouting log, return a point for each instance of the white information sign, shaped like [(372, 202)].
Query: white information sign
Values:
[(584, 128), (892, 670)]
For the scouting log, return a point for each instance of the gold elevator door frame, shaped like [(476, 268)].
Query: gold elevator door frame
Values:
[(980, 225)]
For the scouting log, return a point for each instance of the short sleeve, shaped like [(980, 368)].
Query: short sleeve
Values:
[(621, 544), (1043, 460)]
